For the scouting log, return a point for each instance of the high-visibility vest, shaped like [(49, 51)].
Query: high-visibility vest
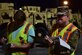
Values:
[(65, 33), (22, 33)]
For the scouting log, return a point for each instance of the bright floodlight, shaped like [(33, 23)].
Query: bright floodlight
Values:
[(65, 2), (20, 8)]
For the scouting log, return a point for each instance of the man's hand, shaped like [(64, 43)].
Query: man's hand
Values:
[(49, 39), (20, 46), (13, 46)]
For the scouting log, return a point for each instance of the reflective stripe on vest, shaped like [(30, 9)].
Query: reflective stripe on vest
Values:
[(67, 34), (64, 33), (73, 53), (28, 26), (56, 33)]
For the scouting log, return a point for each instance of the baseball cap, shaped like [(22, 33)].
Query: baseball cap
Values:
[(62, 10)]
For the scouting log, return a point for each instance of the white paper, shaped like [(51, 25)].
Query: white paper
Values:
[(64, 44)]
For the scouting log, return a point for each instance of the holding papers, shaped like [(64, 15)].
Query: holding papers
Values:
[(64, 44)]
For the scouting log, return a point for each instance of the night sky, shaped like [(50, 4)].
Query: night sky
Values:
[(75, 5)]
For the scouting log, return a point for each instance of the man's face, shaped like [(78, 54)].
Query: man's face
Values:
[(61, 20)]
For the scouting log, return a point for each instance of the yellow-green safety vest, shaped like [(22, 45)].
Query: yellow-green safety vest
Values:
[(17, 40)]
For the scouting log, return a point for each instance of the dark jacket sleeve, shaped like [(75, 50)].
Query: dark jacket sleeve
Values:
[(79, 46), (73, 40)]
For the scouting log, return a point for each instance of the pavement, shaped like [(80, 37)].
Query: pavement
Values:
[(38, 51)]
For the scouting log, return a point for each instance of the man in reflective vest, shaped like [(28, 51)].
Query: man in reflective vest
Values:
[(67, 31), (21, 34)]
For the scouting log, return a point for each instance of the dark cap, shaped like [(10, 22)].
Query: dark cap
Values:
[(62, 10), (19, 16)]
